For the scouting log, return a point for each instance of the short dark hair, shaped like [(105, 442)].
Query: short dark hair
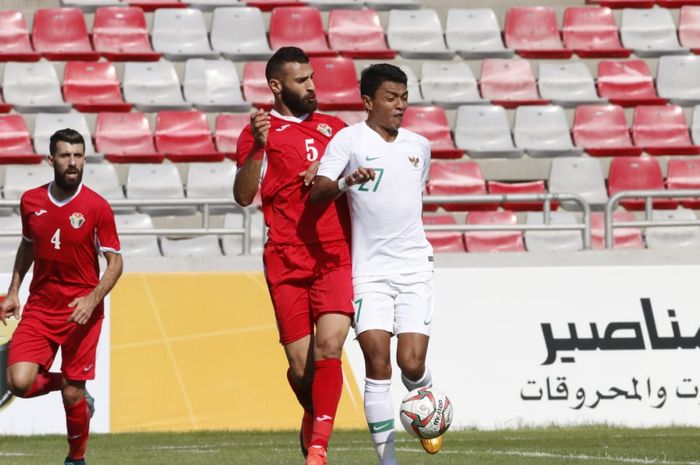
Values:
[(283, 56), (373, 76), (65, 135)]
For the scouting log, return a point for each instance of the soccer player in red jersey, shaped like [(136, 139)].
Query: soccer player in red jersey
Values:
[(64, 227), (307, 254)]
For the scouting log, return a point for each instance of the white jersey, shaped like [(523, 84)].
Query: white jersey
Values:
[(387, 230)]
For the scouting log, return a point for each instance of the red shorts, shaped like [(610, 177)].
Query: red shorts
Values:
[(37, 339), (306, 281)]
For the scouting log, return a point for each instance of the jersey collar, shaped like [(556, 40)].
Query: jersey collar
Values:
[(66, 201), (291, 119)]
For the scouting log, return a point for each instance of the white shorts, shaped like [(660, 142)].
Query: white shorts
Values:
[(397, 304)]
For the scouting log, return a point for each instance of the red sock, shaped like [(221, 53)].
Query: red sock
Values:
[(45, 382), (303, 395), (78, 426), (325, 393)]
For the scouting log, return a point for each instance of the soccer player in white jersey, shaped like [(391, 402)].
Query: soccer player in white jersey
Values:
[(382, 168)]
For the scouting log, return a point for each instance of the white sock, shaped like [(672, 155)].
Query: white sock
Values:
[(425, 381), (379, 411)]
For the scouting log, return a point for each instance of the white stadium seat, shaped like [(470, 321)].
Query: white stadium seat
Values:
[(153, 86), (475, 34), (137, 246), (417, 34), (180, 34), (21, 178), (213, 85), (673, 237), (543, 131), (567, 84), (678, 79), (103, 179), (45, 124), (211, 180), (449, 84), (200, 246), (156, 181), (33, 87), (484, 132), (552, 241), (239, 34), (650, 32), (9, 245), (582, 176), (233, 245), (414, 94)]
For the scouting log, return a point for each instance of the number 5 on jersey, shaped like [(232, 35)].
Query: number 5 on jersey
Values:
[(311, 151), (56, 239)]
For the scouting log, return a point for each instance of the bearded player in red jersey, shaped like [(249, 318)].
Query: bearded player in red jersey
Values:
[(307, 254), (64, 227)]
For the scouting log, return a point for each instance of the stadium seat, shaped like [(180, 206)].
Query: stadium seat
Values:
[(431, 123), (567, 84), (662, 130), (180, 34), (689, 28), (153, 5), (533, 33), (650, 33), (213, 85), (255, 88), (677, 3), (617, 4), (417, 34), (637, 173), (414, 94), (121, 34), (89, 6), (93, 87), (393, 4), (351, 117), (233, 245), (61, 34), (475, 34), (627, 83), (153, 86), (14, 38), (695, 128), (529, 187), (458, 178), (335, 79), (157, 181), (673, 237), (15, 142), (623, 238), (4, 107), (198, 246), (358, 34), (509, 83), (553, 241), (211, 180), (592, 33), (21, 178), (336, 4), (228, 128), (684, 174), (300, 26), (239, 34), (269, 5), (126, 138), (484, 132), (9, 245), (103, 179), (136, 246), (184, 136), (449, 84), (602, 131), (678, 79), (45, 124), (582, 176), (443, 241), (33, 87), (543, 131), (208, 5), (493, 241)]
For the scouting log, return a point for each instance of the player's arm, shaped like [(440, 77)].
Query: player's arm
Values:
[(325, 189), (23, 260), (247, 179), (83, 306)]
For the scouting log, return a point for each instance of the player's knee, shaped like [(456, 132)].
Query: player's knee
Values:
[(19, 384), (72, 394), (377, 366), (328, 347), (411, 367)]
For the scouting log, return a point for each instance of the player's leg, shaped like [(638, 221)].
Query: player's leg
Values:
[(77, 420), (299, 376)]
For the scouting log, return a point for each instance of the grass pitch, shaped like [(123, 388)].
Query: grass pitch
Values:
[(553, 446)]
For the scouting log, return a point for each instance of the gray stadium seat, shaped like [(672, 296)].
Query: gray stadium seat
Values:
[(239, 34), (156, 181), (33, 87), (417, 34), (103, 179), (449, 84), (211, 180), (484, 132), (553, 241), (21, 178), (8, 245), (673, 237), (137, 246), (543, 131), (650, 32), (200, 246), (233, 245), (213, 85), (153, 86), (678, 79), (475, 34), (567, 84), (45, 124), (180, 33), (582, 176)]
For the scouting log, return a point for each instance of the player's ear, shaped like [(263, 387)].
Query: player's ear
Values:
[(49, 159), (275, 86), (367, 101)]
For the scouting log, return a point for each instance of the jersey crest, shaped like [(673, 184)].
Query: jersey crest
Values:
[(414, 161), (77, 220), (325, 129)]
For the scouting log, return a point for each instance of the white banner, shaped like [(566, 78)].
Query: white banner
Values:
[(45, 415), (517, 347)]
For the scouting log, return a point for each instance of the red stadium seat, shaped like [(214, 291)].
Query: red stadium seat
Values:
[(358, 34), (677, 3), (92, 87), (152, 5), (684, 174), (623, 238), (531, 187), (15, 142), (14, 38), (458, 178), (335, 79), (623, 3), (300, 26), (352, 117), (602, 131), (4, 107), (228, 128), (126, 138), (255, 88), (184, 136), (689, 28), (637, 173), (268, 5), (493, 241), (431, 123), (443, 241), (627, 83), (61, 34), (533, 33), (662, 130), (121, 34), (592, 33), (509, 83)]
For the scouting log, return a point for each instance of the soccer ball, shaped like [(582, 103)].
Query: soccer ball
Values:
[(426, 412)]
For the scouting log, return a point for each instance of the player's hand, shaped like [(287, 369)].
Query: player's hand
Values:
[(360, 176), (83, 309), (260, 126), (9, 307), (309, 173)]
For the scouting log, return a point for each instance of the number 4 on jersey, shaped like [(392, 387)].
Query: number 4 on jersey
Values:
[(56, 239)]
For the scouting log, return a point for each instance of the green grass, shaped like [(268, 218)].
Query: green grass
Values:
[(551, 446)]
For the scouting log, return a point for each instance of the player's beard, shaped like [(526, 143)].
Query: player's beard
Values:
[(297, 104), (62, 181)]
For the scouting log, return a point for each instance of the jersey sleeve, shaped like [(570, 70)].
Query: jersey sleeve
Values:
[(26, 232), (336, 157), (426, 163), (245, 144), (107, 237)]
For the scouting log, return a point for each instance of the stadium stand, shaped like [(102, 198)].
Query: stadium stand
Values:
[(20, 178), (184, 136), (431, 123), (689, 27), (89, 6), (552, 241), (152, 5), (103, 179), (207, 5), (92, 87), (602, 131), (443, 241), (529, 187), (255, 88), (673, 237), (211, 180), (14, 38), (358, 34), (45, 124), (393, 4), (137, 245), (8, 245), (121, 34), (70, 41), (475, 34), (662, 130), (567, 84), (199, 246), (627, 83), (449, 85), (637, 173), (126, 138), (300, 26), (15, 141), (457, 178), (415, 97), (533, 33), (650, 33), (592, 33), (153, 86), (483, 131), (157, 181), (33, 87), (678, 79), (542, 131), (213, 85), (336, 84), (623, 238), (233, 245), (333, 4), (180, 34), (493, 241), (582, 176), (417, 34), (228, 128), (509, 82), (684, 174), (239, 34)]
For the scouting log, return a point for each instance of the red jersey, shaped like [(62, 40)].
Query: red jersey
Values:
[(66, 237), (292, 145)]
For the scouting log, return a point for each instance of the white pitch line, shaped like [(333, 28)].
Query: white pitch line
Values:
[(14, 454)]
